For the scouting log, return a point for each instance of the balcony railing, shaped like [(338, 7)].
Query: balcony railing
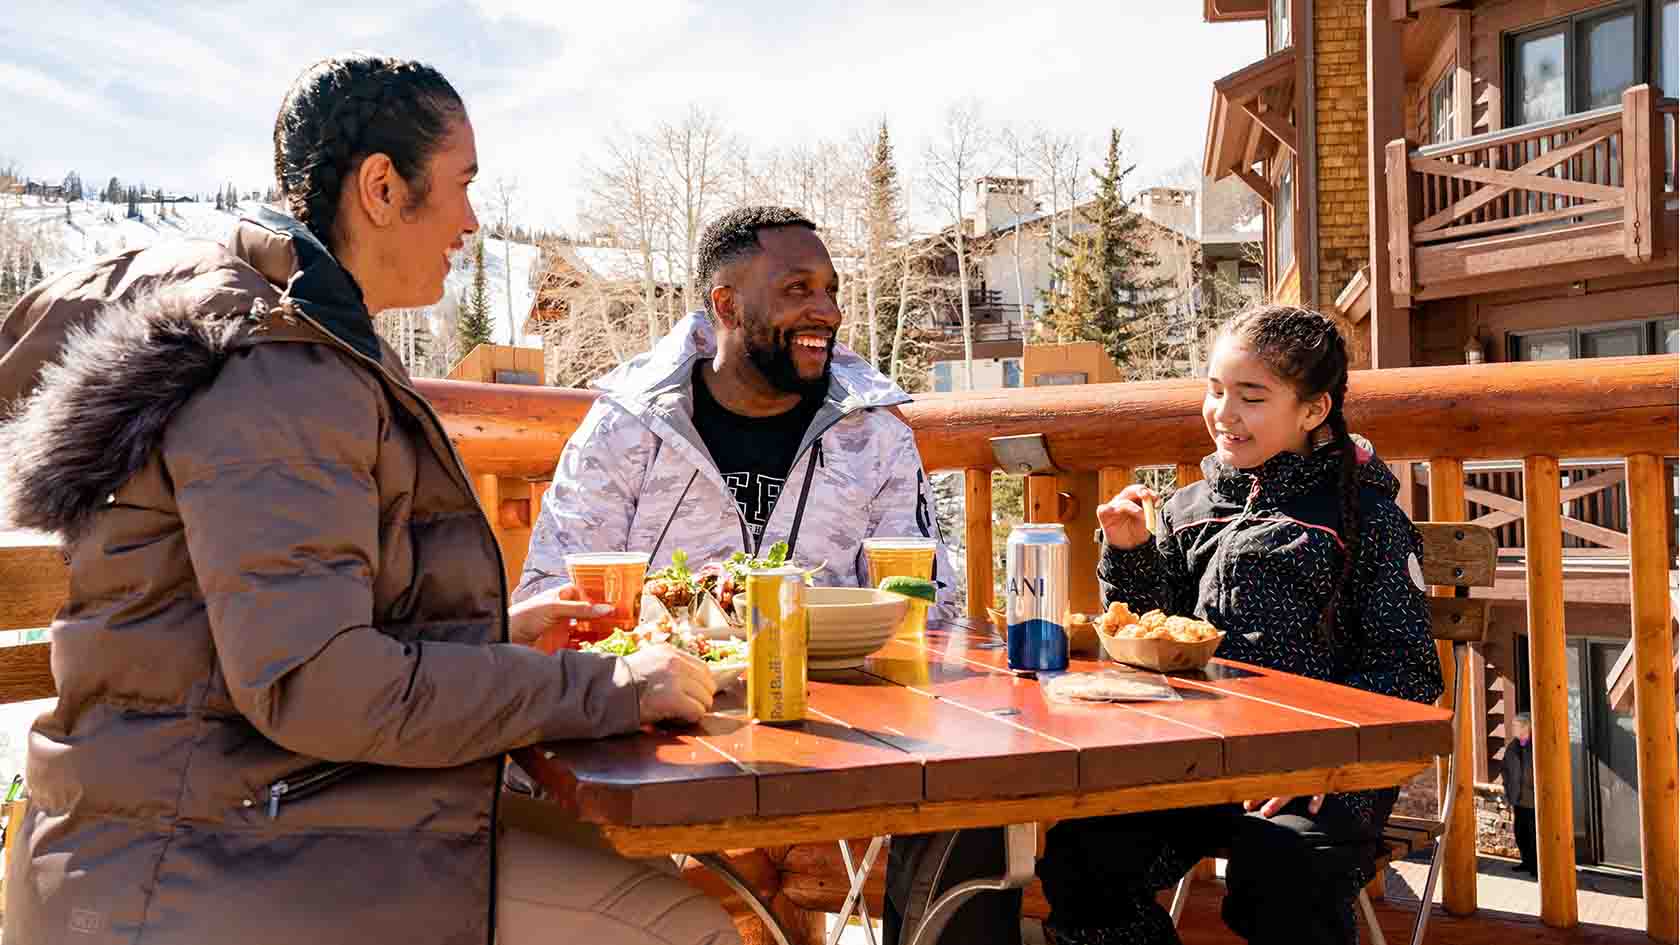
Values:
[(988, 331), (1594, 517), (1548, 413), (1590, 186)]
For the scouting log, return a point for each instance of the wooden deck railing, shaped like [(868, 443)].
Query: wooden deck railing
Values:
[(1099, 435), (1595, 513), (1588, 186)]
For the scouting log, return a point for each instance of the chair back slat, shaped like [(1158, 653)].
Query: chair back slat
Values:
[(1458, 554), (1458, 619), (26, 673), (34, 583)]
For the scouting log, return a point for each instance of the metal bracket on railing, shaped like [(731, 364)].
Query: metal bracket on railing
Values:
[(1022, 455)]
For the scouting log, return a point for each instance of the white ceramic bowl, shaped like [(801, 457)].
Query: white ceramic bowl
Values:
[(849, 623)]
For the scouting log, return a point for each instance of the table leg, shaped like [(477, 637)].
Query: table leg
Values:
[(854, 895), (1020, 845), (721, 867)]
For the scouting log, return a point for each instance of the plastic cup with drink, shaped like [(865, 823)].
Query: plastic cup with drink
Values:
[(604, 577), (902, 557)]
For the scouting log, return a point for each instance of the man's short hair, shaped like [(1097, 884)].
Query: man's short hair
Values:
[(1524, 718), (734, 236)]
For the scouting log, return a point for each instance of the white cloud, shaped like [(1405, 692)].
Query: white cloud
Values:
[(548, 83)]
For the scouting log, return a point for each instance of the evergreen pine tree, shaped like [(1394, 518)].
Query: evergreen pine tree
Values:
[(1104, 271), (220, 204), (883, 219), (474, 328), (35, 275), (114, 191)]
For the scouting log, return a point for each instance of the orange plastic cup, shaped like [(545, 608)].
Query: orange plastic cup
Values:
[(608, 577)]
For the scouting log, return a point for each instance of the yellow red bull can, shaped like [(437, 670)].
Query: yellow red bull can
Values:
[(779, 629)]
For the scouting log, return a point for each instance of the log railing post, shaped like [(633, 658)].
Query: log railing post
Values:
[(1642, 167), (1186, 474), (1653, 695), (977, 537), (1399, 174), (1111, 479), (1043, 499), (1458, 873), (1548, 656)]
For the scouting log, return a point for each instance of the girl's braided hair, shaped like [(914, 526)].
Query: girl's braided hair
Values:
[(1307, 349), (341, 111)]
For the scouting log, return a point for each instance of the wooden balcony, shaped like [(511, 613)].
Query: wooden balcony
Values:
[(1508, 207), (1613, 412), (1098, 436)]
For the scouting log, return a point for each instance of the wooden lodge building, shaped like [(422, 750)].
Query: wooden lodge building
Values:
[(1482, 181)]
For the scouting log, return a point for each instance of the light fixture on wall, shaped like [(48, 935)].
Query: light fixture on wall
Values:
[(1473, 350)]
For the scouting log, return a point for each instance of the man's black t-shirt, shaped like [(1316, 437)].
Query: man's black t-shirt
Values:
[(754, 454)]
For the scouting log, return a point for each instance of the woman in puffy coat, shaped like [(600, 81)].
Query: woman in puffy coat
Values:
[(287, 669)]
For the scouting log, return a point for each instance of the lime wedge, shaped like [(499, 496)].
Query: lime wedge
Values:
[(911, 587)]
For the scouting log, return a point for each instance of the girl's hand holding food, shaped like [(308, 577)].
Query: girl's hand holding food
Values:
[(1126, 519)]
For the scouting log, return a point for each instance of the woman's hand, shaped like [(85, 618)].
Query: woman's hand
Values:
[(1272, 807), (545, 621), (671, 685), (1123, 522)]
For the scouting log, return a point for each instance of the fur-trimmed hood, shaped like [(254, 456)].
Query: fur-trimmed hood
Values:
[(94, 363), (97, 412)]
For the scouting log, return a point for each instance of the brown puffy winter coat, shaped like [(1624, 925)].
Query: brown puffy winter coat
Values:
[(284, 686)]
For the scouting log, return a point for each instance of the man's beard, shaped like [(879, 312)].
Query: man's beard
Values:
[(774, 359)]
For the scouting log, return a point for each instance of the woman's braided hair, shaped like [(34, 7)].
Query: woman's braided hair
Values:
[(1307, 349), (341, 111)]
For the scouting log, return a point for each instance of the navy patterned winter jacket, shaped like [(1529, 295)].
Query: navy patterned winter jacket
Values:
[(1256, 553)]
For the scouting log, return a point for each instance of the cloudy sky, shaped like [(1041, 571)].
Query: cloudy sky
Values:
[(183, 95)]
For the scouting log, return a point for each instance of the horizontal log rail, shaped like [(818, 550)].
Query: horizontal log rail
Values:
[(1568, 409), (1612, 165)]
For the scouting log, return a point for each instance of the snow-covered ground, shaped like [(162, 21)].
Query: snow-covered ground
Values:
[(95, 229)]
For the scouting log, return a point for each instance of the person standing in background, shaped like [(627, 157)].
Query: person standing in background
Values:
[(1519, 790)]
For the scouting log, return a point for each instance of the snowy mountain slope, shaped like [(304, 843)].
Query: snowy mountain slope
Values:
[(95, 229)]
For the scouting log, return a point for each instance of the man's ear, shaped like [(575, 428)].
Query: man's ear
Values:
[(379, 190), (723, 304)]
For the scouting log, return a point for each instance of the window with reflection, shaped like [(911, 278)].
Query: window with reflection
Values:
[(1441, 107), (1587, 60), (1283, 216), (1278, 25)]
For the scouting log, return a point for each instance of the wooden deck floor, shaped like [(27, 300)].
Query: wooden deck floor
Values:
[(1611, 912)]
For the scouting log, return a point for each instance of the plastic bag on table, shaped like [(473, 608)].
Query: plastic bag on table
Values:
[(1108, 685)]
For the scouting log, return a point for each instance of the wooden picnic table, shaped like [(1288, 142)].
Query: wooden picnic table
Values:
[(934, 733)]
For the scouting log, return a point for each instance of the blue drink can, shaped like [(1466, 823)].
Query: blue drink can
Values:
[(1036, 565)]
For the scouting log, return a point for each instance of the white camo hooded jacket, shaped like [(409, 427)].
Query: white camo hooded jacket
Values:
[(637, 477)]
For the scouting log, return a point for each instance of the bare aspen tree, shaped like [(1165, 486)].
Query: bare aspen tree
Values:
[(626, 190), (1018, 147), (697, 155), (952, 163), (504, 195), (1056, 158)]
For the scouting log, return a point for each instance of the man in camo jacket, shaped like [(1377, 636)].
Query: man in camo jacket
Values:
[(746, 425)]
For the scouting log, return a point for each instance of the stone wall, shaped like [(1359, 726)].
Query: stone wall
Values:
[(1494, 836)]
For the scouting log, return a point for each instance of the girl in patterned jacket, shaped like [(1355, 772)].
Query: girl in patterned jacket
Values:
[(1294, 547)]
